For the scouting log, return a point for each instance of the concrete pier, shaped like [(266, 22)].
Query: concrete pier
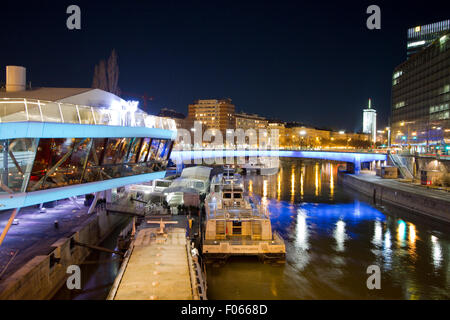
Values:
[(40, 268), (157, 267), (430, 202)]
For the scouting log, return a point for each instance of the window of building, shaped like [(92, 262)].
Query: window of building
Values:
[(144, 150), (134, 150)]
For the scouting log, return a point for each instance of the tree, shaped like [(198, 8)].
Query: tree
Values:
[(106, 74), (113, 73)]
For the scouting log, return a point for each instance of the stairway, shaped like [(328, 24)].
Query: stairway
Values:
[(404, 171)]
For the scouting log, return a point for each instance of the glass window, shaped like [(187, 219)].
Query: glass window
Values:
[(144, 149), (167, 149), (237, 196), (72, 169), (134, 150), (227, 195), (93, 168), (161, 150), (122, 150), (86, 115), (16, 166), (198, 185), (111, 150), (154, 149), (50, 112), (70, 113), (11, 111), (51, 167)]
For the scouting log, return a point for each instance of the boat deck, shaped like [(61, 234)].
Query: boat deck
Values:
[(159, 267)]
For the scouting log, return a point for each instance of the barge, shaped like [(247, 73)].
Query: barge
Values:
[(236, 225)]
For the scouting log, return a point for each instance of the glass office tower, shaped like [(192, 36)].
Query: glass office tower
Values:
[(421, 37), (421, 98)]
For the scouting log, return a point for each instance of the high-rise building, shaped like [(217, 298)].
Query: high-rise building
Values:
[(370, 121), (421, 37), (420, 113), (213, 114)]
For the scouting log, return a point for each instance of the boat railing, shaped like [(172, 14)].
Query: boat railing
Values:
[(245, 240), (236, 212)]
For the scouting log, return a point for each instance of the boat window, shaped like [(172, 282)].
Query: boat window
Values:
[(198, 185), (162, 183), (237, 195), (217, 188), (227, 195)]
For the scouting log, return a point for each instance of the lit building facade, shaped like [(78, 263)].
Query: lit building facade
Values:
[(280, 126), (213, 114), (420, 107), (370, 121), (300, 137), (421, 37), (55, 149), (250, 121)]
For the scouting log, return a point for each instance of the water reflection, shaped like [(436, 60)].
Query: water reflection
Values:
[(301, 239), (279, 186), (387, 252), (339, 235), (331, 238), (293, 185), (331, 181), (401, 233), (302, 177), (378, 234), (437, 252), (412, 241), (317, 179)]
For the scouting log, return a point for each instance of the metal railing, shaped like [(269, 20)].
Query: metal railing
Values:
[(33, 110)]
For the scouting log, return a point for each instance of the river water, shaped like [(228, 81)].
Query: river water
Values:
[(332, 236)]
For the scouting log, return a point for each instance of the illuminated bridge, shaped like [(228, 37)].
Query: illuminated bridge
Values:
[(354, 159), (55, 149)]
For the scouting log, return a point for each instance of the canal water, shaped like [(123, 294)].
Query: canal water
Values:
[(332, 236), (98, 272)]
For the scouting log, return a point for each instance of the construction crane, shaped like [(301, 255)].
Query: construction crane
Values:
[(144, 97)]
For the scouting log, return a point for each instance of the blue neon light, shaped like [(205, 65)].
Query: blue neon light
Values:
[(12, 130), (354, 157)]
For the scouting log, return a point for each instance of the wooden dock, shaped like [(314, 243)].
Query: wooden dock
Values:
[(157, 267)]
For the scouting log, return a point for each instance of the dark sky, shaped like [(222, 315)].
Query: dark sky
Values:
[(310, 61)]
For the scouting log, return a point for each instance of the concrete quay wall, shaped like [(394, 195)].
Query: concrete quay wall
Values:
[(41, 277), (419, 203)]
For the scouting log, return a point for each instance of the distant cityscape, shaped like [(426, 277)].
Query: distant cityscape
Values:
[(420, 113)]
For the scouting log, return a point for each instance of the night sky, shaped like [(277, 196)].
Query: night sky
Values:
[(310, 61)]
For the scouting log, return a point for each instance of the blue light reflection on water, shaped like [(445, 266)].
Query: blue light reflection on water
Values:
[(332, 235), (324, 216)]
